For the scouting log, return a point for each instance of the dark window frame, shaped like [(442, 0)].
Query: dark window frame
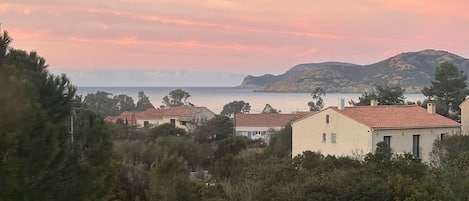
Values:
[(387, 140), (416, 146)]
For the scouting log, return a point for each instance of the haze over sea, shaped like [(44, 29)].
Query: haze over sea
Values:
[(215, 98)]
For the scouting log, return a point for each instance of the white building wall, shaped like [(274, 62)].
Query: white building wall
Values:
[(351, 136), (152, 122), (402, 140), (465, 117), (254, 133)]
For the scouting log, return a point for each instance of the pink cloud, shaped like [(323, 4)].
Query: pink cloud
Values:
[(251, 35), (21, 34), (435, 8)]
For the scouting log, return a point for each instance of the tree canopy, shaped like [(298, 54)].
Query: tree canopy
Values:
[(449, 89), (318, 102), (268, 109), (106, 104), (386, 94), (40, 159), (143, 102), (176, 97), (234, 107), (215, 130)]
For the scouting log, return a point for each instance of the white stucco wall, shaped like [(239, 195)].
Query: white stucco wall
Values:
[(152, 122), (351, 136), (402, 139), (465, 117), (243, 131)]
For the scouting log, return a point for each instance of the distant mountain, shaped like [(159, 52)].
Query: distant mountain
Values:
[(412, 70)]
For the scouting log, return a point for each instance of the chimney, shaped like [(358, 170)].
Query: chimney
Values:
[(341, 104), (373, 102), (431, 108)]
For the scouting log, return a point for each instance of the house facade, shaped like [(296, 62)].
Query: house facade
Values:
[(464, 106), (346, 131), (186, 117), (262, 126)]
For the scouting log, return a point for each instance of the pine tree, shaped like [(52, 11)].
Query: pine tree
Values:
[(449, 89), (37, 158)]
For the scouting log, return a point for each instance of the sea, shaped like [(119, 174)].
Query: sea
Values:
[(214, 98)]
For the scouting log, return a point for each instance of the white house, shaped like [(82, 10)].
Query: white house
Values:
[(261, 126), (464, 106), (356, 130), (186, 117)]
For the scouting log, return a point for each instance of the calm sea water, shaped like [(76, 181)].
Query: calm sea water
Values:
[(215, 98)]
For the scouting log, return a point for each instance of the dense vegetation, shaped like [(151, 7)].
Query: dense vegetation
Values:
[(53, 148)]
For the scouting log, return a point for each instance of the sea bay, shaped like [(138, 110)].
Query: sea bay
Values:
[(215, 98)]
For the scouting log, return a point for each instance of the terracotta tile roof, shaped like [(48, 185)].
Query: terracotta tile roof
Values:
[(266, 120), (150, 114), (184, 113), (131, 118), (396, 116)]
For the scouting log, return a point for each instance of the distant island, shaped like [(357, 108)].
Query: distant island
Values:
[(411, 70)]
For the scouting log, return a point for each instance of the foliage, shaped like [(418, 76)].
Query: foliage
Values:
[(365, 99), (235, 107), (215, 130), (231, 145), (176, 97), (166, 129), (143, 102), (268, 109), (447, 150), (280, 143), (123, 103), (386, 94), (449, 89), (104, 104), (318, 102), (225, 157), (39, 158), (169, 179)]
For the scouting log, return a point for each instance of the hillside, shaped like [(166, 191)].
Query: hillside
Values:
[(412, 70)]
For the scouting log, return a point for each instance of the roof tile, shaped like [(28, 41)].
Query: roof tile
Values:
[(396, 116), (266, 120)]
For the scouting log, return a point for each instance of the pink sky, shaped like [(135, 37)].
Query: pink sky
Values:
[(239, 36)]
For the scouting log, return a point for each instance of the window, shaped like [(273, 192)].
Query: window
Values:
[(327, 118), (146, 124), (416, 146), (183, 123), (387, 140), (172, 121), (323, 137), (333, 138), (443, 135)]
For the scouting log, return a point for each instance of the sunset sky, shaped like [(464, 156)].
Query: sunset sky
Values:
[(218, 42)]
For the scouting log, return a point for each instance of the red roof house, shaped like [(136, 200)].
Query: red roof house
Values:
[(356, 130), (186, 117)]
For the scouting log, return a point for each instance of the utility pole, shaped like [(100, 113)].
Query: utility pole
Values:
[(71, 125)]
